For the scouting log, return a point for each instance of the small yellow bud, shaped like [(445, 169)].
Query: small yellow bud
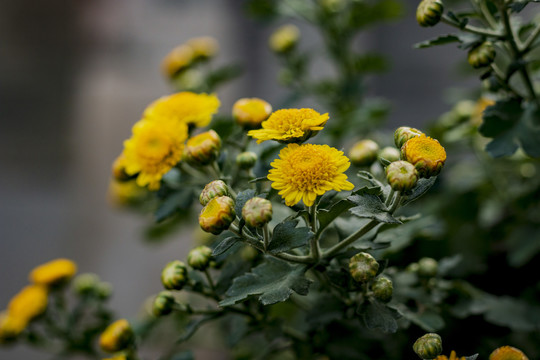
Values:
[(202, 149), (364, 153), (363, 267), (507, 353), (199, 258), (257, 212), (482, 55), (429, 12), (428, 346), (163, 304), (203, 47), (251, 112), (217, 215), (174, 275), (53, 272), (401, 175), (284, 39), (117, 336), (426, 154), (212, 190), (11, 326), (404, 134), (180, 58)]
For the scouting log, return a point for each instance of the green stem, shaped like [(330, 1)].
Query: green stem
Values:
[(266, 236), (215, 170), (472, 29), (315, 250), (389, 198), (210, 281)]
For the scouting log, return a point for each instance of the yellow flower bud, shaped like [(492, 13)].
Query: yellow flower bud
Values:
[(199, 258), (428, 346), (426, 154), (251, 112), (203, 47), (163, 304), (364, 153), (174, 275), (29, 303), (363, 267), (202, 149), (507, 353), (177, 60), (257, 212), (404, 134), (284, 39), (10, 326), (212, 190), (117, 336), (401, 175), (429, 12), (217, 215), (482, 55), (53, 272)]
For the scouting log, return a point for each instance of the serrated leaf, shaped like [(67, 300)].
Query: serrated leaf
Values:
[(441, 40), (371, 207), (225, 245), (420, 189), (379, 316), (287, 236), (367, 176), (272, 281), (241, 200)]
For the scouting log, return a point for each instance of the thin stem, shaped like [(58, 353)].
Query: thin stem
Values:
[(472, 29), (502, 79), (315, 250), (396, 203), (389, 198), (266, 236), (210, 281), (215, 170), (530, 40), (487, 14)]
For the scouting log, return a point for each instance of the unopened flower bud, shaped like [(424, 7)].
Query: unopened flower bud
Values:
[(382, 288), (482, 55), (180, 58), (251, 112), (117, 336), (364, 153), (85, 284), (202, 149), (428, 346), (54, 272), (363, 267), (507, 353), (427, 267), (389, 153), (284, 39), (104, 290), (213, 189), (174, 275), (426, 154), (248, 253), (429, 12), (412, 268), (257, 212), (199, 258), (217, 215), (401, 175), (246, 160), (404, 134), (203, 47), (163, 304)]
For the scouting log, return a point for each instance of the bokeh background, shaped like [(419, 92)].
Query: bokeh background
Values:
[(76, 75)]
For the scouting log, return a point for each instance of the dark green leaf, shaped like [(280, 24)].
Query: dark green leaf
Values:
[(528, 131), (371, 63), (518, 6), (272, 281), (379, 316), (428, 320), (180, 200), (225, 245), (286, 237), (241, 200), (194, 325), (369, 178), (184, 355), (371, 207), (513, 313), (420, 189), (441, 40), (500, 117)]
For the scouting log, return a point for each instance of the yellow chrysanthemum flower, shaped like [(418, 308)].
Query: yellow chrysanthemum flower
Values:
[(290, 125), (53, 272), (453, 356), (426, 154), (178, 59), (507, 353), (30, 302), (303, 172), (187, 107), (251, 112), (153, 150), (11, 326)]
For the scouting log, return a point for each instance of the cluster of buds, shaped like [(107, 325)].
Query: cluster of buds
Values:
[(251, 112), (202, 149), (482, 55), (183, 56), (429, 12), (117, 336), (428, 346)]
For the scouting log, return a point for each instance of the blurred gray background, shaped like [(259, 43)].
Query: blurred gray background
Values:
[(76, 75)]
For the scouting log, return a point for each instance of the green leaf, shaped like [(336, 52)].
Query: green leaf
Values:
[(194, 325), (428, 320), (529, 131), (371, 63), (225, 245), (241, 200), (286, 237), (184, 355), (518, 6), (513, 313), (379, 316), (272, 281), (371, 207), (369, 178), (441, 40), (420, 189), (363, 13), (180, 200)]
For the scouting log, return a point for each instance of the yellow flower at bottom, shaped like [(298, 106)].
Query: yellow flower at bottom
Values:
[(290, 125), (507, 353), (426, 154), (453, 356), (153, 150), (30, 302), (53, 272), (186, 106), (303, 172)]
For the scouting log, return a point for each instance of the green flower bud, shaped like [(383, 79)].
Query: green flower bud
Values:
[(212, 190), (257, 212), (413, 267), (382, 288), (401, 175), (174, 275), (163, 304), (389, 153), (85, 284), (217, 215), (246, 160), (363, 267), (364, 153), (429, 12), (427, 267), (117, 336), (104, 290), (404, 134), (199, 258), (202, 149), (482, 55), (248, 253), (428, 346)]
